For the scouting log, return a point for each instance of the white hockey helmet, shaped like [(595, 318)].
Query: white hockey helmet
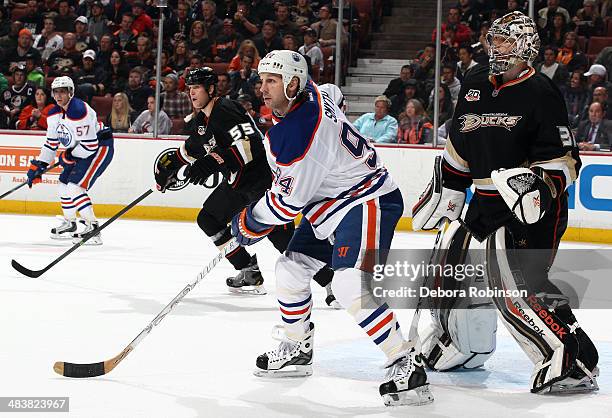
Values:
[(522, 35), (287, 64), (63, 82)]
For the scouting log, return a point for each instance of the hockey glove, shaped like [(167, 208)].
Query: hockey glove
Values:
[(66, 158), (167, 166), (527, 194), (247, 230), (203, 168), (37, 168)]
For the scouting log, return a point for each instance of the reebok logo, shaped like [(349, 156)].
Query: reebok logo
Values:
[(529, 320), (558, 329)]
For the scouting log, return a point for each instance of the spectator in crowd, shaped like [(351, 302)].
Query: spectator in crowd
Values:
[(179, 25), (67, 60), (303, 11), (176, 103), (144, 123), (311, 49), (443, 132), (117, 73), (89, 80), (576, 97), (246, 23), (268, 40), (179, 60), (480, 49), (195, 61), (601, 96), (413, 126), (514, 6), (122, 116), (399, 101), (142, 21), (445, 106), (144, 56), (605, 56), (17, 55), (213, 24), (32, 19), (263, 9), (466, 62), (47, 6), (258, 102), (555, 32), (570, 55), (136, 91), (48, 41), (9, 41), (5, 22), (426, 65), (325, 28), (597, 76), (284, 24), (595, 133), (34, 116), (226, 8), (262, 122), (588, 21), (290, 42), (450, 81), (469, 15), (243, 80), (36, 75), (106, 48), (396, 85), (226, 45), (98, 22), (223, 85), (247, 48), (198, 41), (462, 33), (551, 68), (64, 21), (116, 9), (15, 98), (378, 125), (84, 39), (3, 83), (165, 67), (190, 123), (125, 36), (546, 14)]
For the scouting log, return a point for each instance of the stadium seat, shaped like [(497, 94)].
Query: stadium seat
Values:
[(177, 126), (609, 25), (102, 106), (17, 14), (582, 43), (597, 43), (218, 67)]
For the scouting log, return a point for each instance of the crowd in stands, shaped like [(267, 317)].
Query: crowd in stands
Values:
[(575, 53), (109, 49)]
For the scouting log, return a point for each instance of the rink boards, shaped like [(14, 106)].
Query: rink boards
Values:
[(131, 173)]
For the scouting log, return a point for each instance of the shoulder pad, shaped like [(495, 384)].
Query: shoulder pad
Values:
[(76, 109), (54, 110)]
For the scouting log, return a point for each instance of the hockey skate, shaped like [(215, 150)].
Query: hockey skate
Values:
[(90, 227), (406, 382), (330, 299), (581, 381), (64, 230), (248, 281), (291, 359)]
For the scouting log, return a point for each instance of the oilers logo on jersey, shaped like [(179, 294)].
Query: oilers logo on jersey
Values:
[(63, 134)]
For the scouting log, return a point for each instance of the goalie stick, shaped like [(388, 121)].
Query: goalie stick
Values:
[(104, 367), (19, 186), (37, 273)]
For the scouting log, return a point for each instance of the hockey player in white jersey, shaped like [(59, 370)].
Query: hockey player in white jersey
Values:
[(73, 124), (324, 169)]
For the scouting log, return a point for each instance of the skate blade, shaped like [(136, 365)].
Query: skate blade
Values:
[(288, 371), (60, 237), (415, 397), (571, 386), (91, 241), (248, 290)]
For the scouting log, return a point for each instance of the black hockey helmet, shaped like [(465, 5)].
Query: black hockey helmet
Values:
[(204, 75)]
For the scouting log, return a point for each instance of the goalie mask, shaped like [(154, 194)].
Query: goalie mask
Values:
[(511, 39)]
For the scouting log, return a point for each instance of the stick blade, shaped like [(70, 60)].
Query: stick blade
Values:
[(26, 271), (79, 370)]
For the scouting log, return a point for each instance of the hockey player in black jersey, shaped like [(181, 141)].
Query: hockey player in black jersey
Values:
[(510, 138), (227, 141)]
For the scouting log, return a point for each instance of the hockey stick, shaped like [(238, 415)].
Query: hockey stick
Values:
[(105, 367), (19, 186), (37, 273)]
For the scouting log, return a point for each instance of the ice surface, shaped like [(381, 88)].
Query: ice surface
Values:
[(198, 362)]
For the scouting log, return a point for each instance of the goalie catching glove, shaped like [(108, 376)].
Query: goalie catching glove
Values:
[(527, 192), (437, 203)]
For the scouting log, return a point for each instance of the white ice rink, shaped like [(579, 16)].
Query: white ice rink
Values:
[(198, 362)]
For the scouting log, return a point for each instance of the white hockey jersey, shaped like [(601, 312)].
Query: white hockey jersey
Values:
[(74, 129), (322, 166)]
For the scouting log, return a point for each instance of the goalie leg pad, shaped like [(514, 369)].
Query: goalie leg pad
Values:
[(437, 202)]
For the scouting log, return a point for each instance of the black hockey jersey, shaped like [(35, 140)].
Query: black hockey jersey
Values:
[(234, 136), (522, 123)]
